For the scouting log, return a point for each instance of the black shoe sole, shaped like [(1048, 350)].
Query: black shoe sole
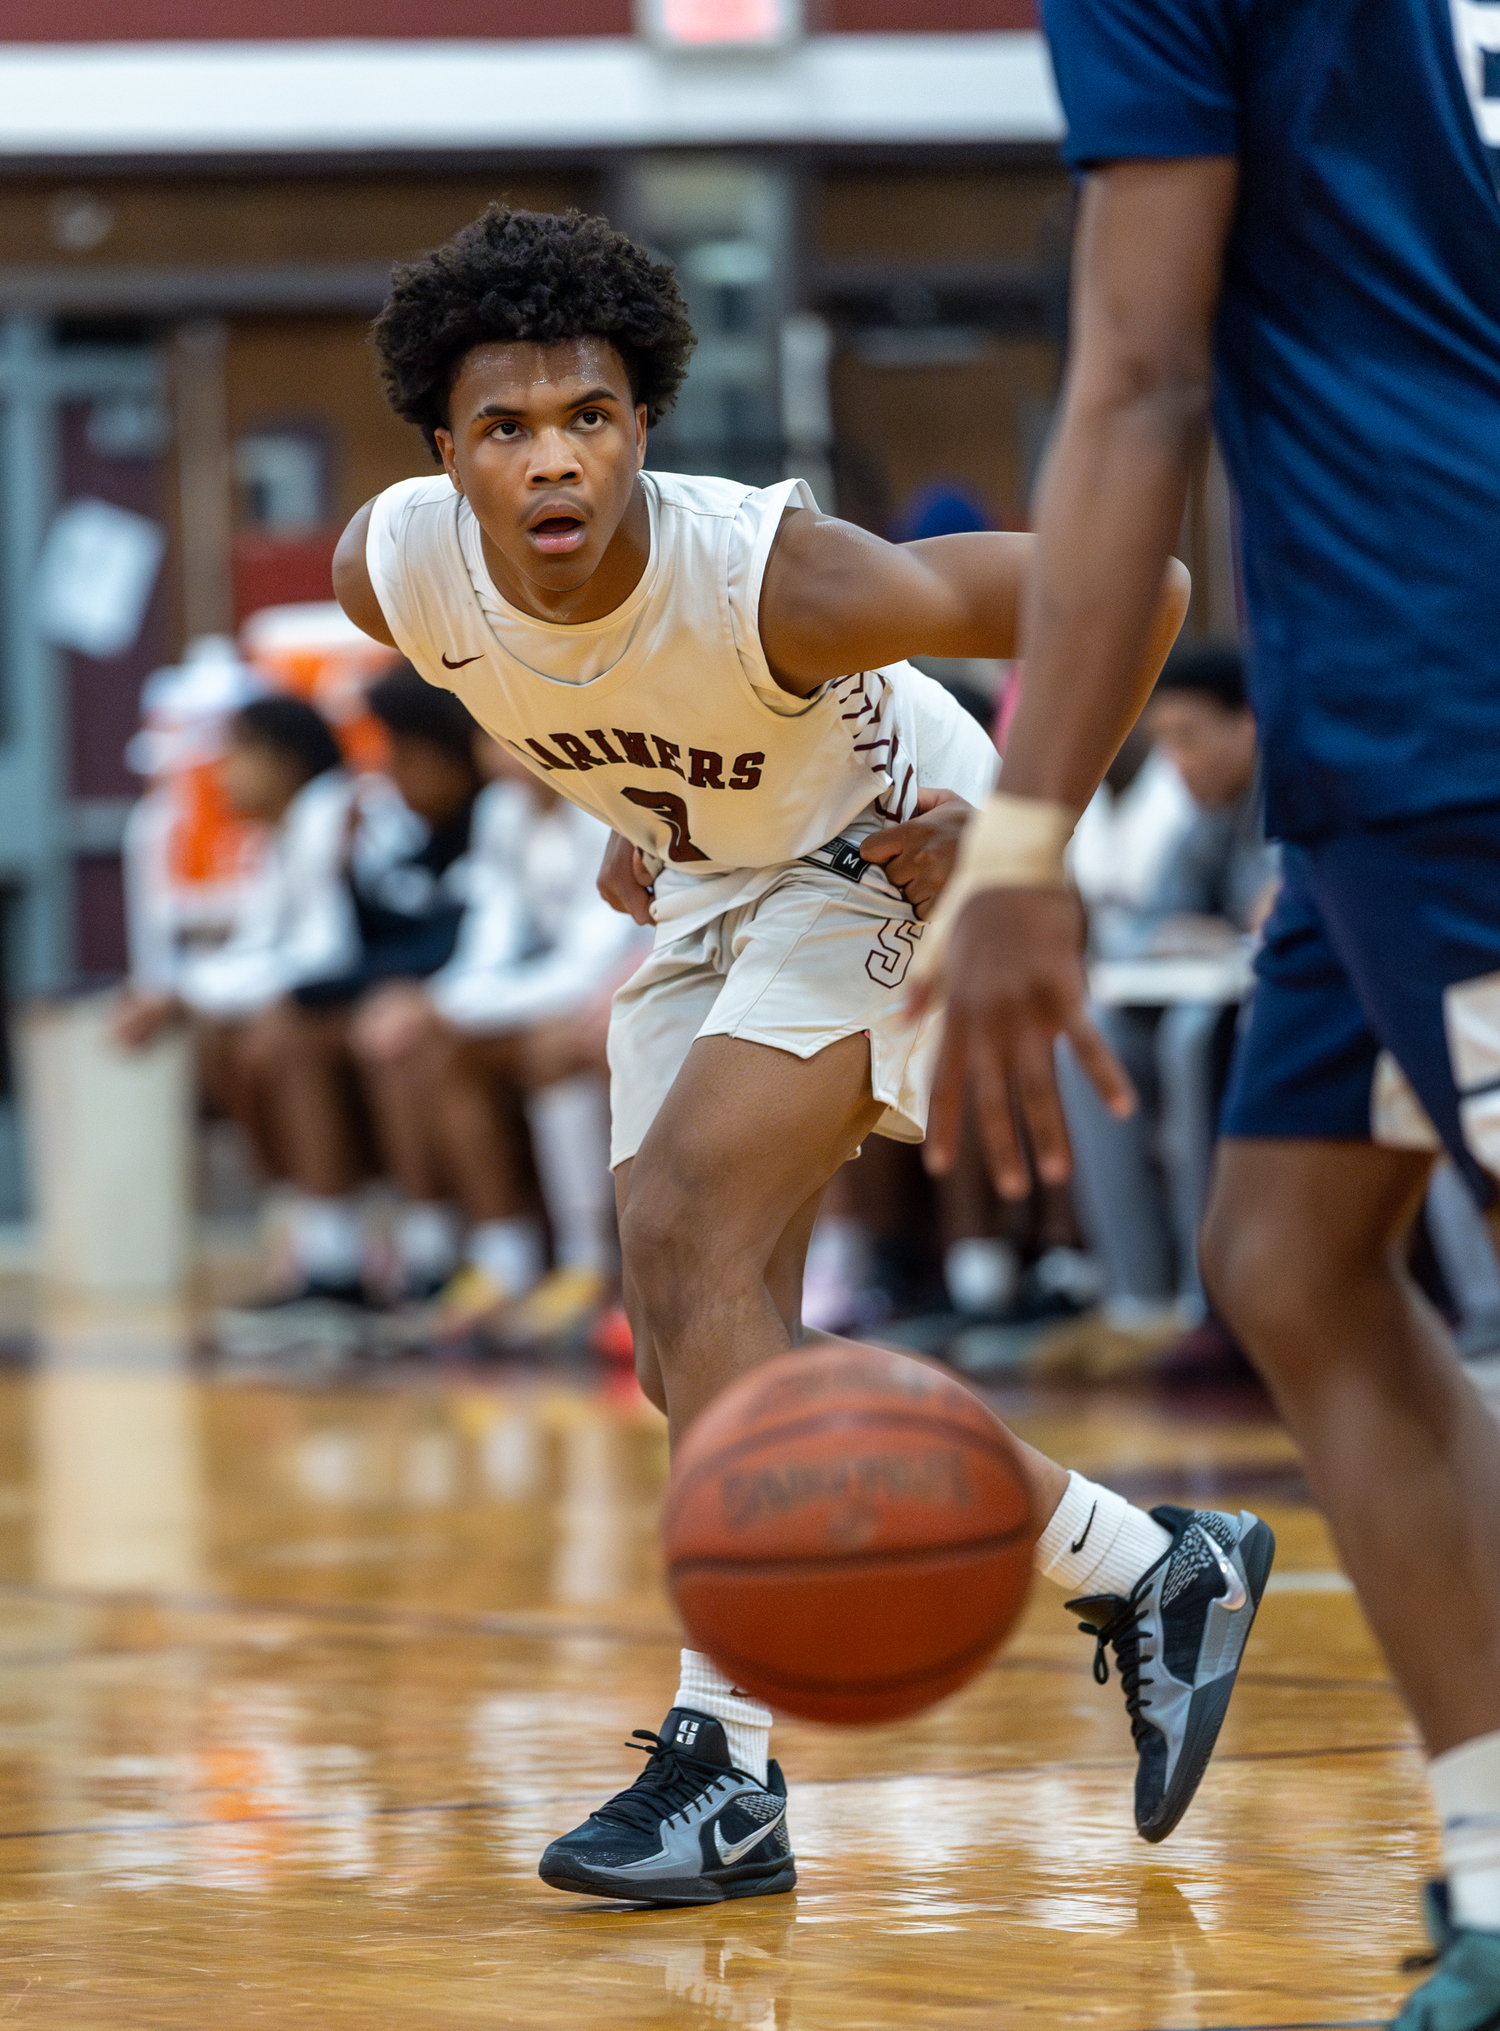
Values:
[(1210, 1703), (762, 1880)]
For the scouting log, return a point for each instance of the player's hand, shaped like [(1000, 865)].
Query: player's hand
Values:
[(625, 880), (1014, 980), (139, 1017), (918, 855)]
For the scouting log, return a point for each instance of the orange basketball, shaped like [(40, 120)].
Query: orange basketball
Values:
[(848, 1533)]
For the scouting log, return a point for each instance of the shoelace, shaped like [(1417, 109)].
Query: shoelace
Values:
[(670, 1781), (1123, 1630)]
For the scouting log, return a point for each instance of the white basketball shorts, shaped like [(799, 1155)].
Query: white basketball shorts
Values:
[(805, 964)]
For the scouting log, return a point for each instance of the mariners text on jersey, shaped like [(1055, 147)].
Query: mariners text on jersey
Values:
[(663, 718)]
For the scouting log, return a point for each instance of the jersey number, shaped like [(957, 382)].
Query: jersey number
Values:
[(672, 812)]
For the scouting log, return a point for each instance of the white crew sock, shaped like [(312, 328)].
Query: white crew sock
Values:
[(328, 1239), (570, 1140), (1115, 1541), (511, 1253), (1466, 1786), (426, 1242), (746, 1723)]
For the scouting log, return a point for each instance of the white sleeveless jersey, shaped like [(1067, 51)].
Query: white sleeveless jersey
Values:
[(677, 735)]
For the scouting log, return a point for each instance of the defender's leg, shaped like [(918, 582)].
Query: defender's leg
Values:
[(1302, 1252)]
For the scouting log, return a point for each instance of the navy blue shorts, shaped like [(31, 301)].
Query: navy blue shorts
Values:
[(1376, 1011)]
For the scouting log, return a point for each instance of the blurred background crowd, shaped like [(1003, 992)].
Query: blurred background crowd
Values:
[(281, 857)]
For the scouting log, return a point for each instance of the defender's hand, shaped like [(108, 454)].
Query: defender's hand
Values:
[(918, 855), (1014, 980), (625, 880)]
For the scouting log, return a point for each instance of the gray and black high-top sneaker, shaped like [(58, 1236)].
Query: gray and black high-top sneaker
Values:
[(1178, 1640), (691, 1829)]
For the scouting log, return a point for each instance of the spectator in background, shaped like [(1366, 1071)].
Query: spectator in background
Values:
[(513, 1029), (1141, 1183), (1127, 832), (1117, 856), (337, 1118), (187, 854), (281, 768)]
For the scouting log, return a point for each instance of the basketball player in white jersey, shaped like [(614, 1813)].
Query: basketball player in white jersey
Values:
[(716, 670)]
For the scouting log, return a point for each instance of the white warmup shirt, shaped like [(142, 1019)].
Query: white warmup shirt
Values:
[(537, 940), (1123, 840), (663, 718), (297, 922)]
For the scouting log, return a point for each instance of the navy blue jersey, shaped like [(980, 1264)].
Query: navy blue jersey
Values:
[(1358, 363)]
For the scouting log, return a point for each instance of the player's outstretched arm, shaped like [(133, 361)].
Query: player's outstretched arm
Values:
[(1008, 935), (351, 580), (836, 599)]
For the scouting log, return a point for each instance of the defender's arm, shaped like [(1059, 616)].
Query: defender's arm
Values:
[(1147, 265), (351, 580), (1136, 410)]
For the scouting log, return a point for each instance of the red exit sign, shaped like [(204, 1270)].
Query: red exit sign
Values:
[(720, 24)]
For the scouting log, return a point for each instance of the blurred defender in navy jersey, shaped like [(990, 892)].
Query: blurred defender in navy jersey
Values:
[(1289, 216)]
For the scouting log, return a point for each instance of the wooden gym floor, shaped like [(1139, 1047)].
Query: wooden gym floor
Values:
[(297, 1680)]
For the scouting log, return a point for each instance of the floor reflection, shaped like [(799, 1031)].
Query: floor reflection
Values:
[(118, 1465), (295, 1682)]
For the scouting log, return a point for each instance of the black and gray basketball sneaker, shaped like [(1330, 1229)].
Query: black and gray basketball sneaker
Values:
[(691, 1829), (1178, 1640)]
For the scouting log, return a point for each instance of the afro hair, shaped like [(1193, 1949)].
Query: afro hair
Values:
[(529, 275)]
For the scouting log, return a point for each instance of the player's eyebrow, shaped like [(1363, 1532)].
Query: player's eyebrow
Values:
[(591, 400)]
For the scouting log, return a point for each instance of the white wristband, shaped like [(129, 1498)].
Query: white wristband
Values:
[(1010, 843)]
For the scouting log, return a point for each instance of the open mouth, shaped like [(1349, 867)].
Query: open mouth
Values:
[(557, 534)]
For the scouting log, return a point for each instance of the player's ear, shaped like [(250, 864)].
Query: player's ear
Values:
[(444, 439), (640, 435)]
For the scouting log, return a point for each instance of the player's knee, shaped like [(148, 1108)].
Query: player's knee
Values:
[(265, 1040), (1234, 1254), (671, 1251), (657, 1244), (1269, 1282)]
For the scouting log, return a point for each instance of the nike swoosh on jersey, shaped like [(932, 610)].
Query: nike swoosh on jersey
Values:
[(737, 1848), (1234, 1595), (448, 664)]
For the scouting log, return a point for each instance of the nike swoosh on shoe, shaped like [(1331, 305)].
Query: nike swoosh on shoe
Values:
[(737, 1848), (1234, 1595)]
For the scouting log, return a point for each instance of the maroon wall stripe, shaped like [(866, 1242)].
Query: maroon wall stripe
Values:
[(300, 20)]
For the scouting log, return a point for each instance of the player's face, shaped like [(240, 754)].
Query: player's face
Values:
[(259, 781), (1212, 747), (544, 441), (433, 782)]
